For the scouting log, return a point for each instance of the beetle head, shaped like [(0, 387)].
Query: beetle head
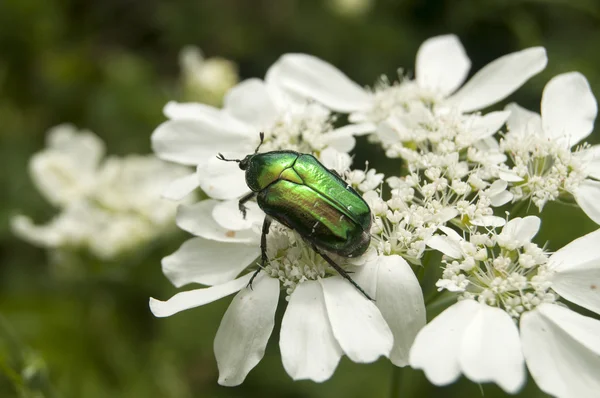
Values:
[(243, 163)]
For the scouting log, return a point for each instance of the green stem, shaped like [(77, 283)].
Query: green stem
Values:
[(518, 208), (396, 381)]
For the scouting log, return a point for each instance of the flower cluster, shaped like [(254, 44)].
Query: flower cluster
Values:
[(459, 165), (108, 207)]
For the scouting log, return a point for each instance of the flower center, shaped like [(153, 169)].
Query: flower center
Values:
[(548, 169), (500, 271), (291, 260), (302, 128), (399, 99)]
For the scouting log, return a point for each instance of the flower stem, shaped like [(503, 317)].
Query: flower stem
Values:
[(396, 384)]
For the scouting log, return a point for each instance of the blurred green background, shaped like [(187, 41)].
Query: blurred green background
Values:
[(110, 66)]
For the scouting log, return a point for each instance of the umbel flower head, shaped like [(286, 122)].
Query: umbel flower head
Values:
[(545, 168), (441, 69), (107, 206), (511, 311), (325, 318)]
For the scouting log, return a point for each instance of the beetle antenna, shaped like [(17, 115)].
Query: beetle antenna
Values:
[(262, 139), (221, 157)]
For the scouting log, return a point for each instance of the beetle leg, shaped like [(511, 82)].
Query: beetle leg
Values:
[(263, 248), (341, 271), (243, 200)]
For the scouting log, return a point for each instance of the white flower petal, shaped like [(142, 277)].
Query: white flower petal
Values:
[(586, 195), (437, 346), (245, 330), (342, 139), (357, 324), (501, 198), (190, 110), (198, 219), (251, 103), (522, 120), (366, 275), (195, 298), (577, 271), (452, 234), (568, 108), (583, 329), (491, 350), (207, 262), (181, 187), (558, 361), (509, 176), (522, 229), (442, 64), (445, 245), (228, 215), (40, 235), (400, 300), (335, 160), (314, 78), (191, 141), (489, 221), (500, 78), (590, 158), (487, 125), (221, 180), (308, 348)]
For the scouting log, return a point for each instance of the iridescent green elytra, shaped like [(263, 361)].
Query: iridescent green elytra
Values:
[(299, 192)]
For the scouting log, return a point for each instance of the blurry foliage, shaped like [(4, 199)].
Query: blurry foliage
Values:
[(110, 66)]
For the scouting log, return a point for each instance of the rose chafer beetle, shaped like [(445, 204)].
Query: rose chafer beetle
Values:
[(299, 192)]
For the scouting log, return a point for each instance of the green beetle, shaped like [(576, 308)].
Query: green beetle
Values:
[(299, 192)]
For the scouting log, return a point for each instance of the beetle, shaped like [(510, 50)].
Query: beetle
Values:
[(299, 192)]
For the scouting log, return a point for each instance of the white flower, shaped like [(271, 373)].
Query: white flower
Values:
[(326, 317), (544, 166), (195, 134), (107, 206), (478, 336), (206, 80), (441, 68)]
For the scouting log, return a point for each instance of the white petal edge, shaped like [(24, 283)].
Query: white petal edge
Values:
[(228, 215), (221, 180), (357, 324), (308, 347), (190, 110), (559, 364), (245, 330), (437, 346), (208, 262), (522, 229), (191, 141), (181, 187), (442, 64), (586, 195), (316, 79), (195, 298), (522, 120), (400, 300), (198, 219), (250, 102), (485, 126), (491, 350), (577, 271), (500, 78), (445, 245), (568, 108)]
